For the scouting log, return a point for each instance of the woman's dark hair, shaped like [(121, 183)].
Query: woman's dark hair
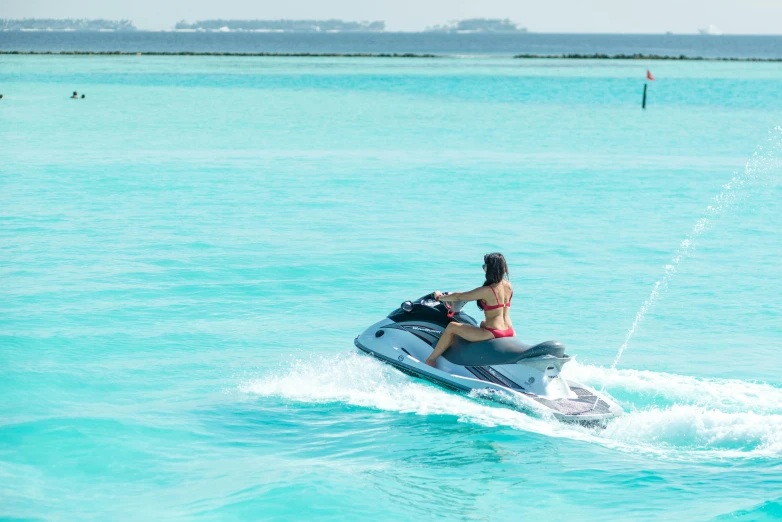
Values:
[(496, 268)]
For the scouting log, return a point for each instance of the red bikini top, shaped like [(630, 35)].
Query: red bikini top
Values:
[(484, 306)]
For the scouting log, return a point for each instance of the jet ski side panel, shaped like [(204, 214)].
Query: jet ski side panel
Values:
[(406, 351), (505, 350)]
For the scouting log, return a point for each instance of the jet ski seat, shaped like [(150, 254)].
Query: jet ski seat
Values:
[(505, 350)]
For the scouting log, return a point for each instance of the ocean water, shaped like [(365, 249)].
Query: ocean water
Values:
[(465, 44), (188, 253)]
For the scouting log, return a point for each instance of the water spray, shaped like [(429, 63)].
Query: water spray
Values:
[(732, 193)]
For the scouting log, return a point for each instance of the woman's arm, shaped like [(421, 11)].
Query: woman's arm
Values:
[(472, 295)]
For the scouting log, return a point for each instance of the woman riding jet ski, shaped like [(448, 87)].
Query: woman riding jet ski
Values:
[(497, 323), (433, 339)]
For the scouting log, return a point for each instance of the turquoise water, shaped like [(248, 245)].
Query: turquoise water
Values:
[(188, 253)]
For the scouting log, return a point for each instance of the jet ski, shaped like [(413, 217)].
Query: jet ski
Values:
[(504, 369)]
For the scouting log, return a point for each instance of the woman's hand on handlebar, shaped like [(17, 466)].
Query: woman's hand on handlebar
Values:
[(436, 295)]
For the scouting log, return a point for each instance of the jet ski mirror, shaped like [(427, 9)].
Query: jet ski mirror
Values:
[(456, 306), (407, 306)]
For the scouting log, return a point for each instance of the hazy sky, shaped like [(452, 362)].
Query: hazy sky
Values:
[(610, 16)]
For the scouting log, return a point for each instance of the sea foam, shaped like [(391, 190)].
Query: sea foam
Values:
[(732, 395), (708, 418)]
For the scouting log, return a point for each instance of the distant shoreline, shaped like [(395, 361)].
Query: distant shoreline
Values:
[(655, 57)]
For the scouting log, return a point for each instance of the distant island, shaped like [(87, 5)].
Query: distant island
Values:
[(478, 25), (51, 24), (282, 26), (473, 25)]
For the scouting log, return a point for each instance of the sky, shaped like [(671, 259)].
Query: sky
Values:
[(579, 16)]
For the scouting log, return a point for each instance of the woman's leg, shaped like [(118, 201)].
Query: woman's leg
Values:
[(465, 331)]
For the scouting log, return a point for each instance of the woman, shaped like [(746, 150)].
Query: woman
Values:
[(493, 298)]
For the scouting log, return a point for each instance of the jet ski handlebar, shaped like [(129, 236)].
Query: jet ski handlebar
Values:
[(429, 301)]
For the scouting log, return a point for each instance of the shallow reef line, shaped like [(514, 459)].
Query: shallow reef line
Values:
[(190, 53), (681, 57), (397, 55)]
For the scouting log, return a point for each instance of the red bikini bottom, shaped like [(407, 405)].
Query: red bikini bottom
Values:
[(500, 333)]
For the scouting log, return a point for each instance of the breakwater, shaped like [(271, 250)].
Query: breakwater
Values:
[(395, 55), (681, 57), (187, 53)]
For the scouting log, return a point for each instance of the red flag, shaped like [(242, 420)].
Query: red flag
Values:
[(649, 75)]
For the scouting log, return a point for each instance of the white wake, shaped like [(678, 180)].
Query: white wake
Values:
[(698, 417)]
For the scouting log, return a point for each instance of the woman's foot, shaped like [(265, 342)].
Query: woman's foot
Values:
[(431, 362)]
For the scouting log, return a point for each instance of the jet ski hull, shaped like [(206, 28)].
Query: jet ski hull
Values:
[(532, 383)]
